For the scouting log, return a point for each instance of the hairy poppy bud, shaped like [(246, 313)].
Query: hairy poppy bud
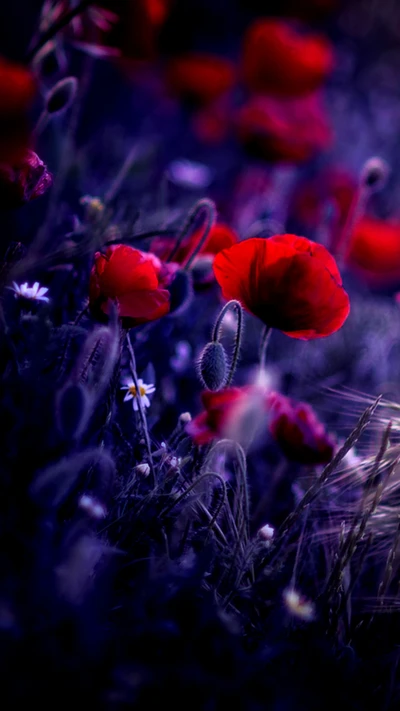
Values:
[(61, 96), (212, 366)]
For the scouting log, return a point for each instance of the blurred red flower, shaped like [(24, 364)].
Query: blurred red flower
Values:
[(374, 251), (227, 413), (200, 79), (17, 91), (278, 59), (289, 282), (132, 279), (283, 130), (24, 180), (299, 433), (333, 186)]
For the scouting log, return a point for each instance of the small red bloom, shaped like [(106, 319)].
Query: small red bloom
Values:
[(279, 60), (200, 78), (132, 279), (17, 91), (283, 130), (289, 282), (374, 251), (296, 428), (225, 413), (23, 181)]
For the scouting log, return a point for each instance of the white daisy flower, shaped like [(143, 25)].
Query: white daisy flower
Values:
[(33, 293), (144, 391)]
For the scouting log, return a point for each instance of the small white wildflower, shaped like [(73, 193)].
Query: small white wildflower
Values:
[(267, 532), (143, 469), (33, 293), (144, 391), (185, 417), (92, 506), (298, 606)]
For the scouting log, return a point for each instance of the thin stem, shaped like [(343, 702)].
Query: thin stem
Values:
[(141, 411), (204, 205), (216, 334), (265, 338), (121, 175)]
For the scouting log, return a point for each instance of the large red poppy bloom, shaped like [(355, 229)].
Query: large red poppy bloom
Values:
[(200, 78), (374, 251), (279, 60), (296, 428), (131, 278), (289, 282), (17, 91), (283, 130)]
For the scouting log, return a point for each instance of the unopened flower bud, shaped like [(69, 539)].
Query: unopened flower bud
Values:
[(143, 469), (212, 366), (374, 174), (185, 417), (267, 532)]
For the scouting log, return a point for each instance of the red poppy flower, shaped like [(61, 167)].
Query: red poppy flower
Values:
[(23, 181), (296, 428), (227, 413), (17, 91), (132, 279), (289, 282), (279, 60), (200, 78), (374, 251), (287, 130)]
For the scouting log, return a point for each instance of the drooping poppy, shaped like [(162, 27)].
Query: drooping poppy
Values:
[(17, 91), (130, 278), (23, 180), (229, 413), (298, 431), (199, 78), (374, 251), (289, 282), (283, 130), (279, 60)]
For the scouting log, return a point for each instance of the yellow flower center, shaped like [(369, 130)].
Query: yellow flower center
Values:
[(132, 390)]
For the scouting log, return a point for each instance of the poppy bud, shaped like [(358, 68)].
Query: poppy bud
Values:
[(374, 174), (212, 366), (61, 96)]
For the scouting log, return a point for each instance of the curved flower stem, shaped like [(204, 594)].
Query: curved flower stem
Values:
[(204, 205), (121, 175), (265, 338), (141, 411), (216, 333), (59, 25)]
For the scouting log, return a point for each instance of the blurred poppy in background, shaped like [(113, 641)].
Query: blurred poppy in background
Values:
[(290, 130), (17, 92), (374, 251), (200, 78), (279, 60)]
